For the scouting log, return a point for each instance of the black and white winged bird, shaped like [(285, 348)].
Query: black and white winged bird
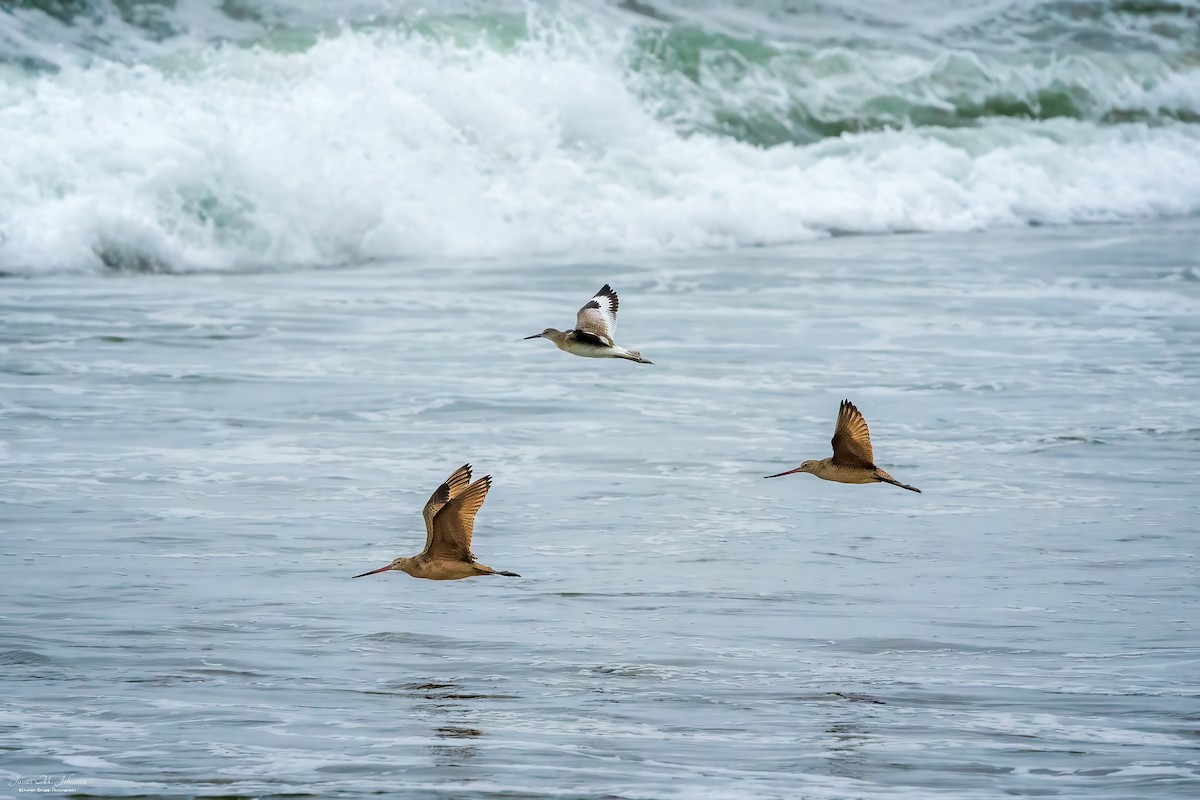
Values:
[(593, 333)]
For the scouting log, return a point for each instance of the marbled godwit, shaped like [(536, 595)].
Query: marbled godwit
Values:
[(449, 522), (852, 460), (593, 334)]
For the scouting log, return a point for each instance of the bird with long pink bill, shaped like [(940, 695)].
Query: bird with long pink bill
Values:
[(852, 461), (449, 524)]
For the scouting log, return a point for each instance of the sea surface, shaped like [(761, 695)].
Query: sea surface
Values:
[(265, 273), (195, 465)]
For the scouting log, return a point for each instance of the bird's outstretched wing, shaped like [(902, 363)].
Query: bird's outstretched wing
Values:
[(598, 317), (851, 439), (450, 488), (455, 523)]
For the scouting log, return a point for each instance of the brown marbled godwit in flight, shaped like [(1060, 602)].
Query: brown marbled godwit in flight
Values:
[(853, 461), (593, 333), (449, 521)]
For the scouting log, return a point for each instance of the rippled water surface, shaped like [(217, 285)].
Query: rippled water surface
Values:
[(195, 465)]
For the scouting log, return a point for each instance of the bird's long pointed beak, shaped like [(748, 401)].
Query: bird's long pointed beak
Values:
[(781, 474), (372, 572), (535, 336)]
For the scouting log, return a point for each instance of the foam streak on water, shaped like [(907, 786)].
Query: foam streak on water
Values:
[(195, 465)]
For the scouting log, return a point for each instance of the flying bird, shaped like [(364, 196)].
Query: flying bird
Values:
[(449, 522), (853, 461), (593, 333)]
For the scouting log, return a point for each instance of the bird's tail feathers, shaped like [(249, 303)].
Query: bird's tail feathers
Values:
[(634, 355), (883, 476)]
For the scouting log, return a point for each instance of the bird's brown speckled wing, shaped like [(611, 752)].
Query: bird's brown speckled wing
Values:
[(455, 523), (450, 488), (598, 317), (851, 439)]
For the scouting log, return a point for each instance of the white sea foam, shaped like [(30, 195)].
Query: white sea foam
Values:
[(388, 144)]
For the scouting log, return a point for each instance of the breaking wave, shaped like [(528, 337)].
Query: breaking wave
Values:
[(205, 136)]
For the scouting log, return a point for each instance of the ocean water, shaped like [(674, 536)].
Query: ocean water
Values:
[(266, 270), (221, 137), (196, 465)]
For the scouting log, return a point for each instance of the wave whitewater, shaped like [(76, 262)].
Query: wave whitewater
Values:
[(184, 144)]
